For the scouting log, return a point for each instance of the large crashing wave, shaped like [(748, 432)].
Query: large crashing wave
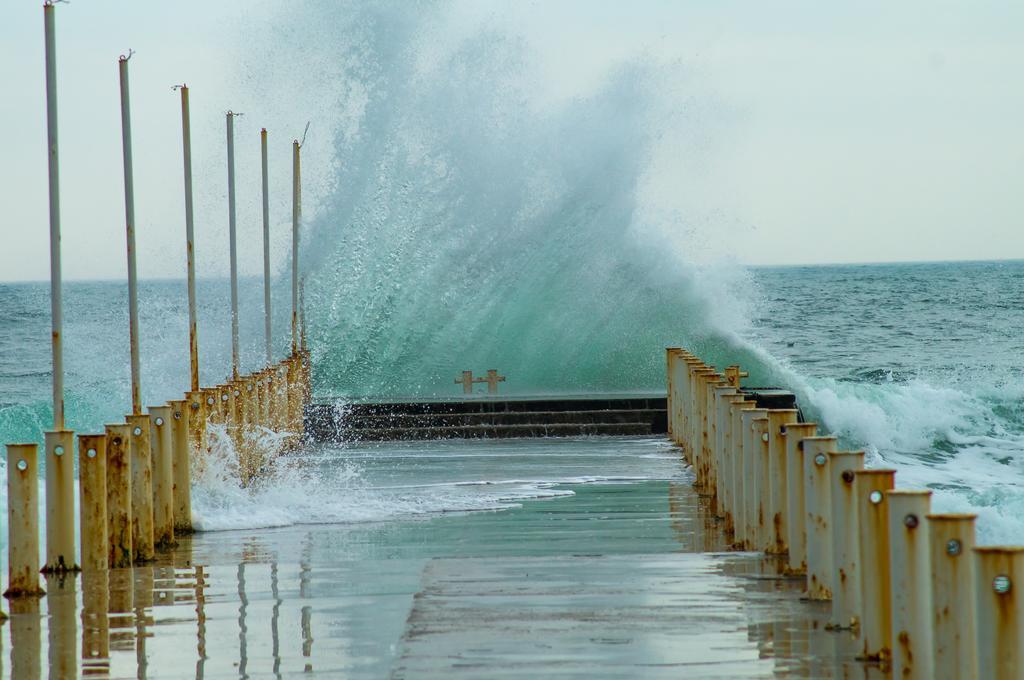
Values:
[(472, 224)]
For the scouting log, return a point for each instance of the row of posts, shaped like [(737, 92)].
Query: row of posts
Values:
[(134, 479), (134, 491), (922, 598)]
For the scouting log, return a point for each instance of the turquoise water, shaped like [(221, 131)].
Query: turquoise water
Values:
[(464, 221), (916, 363)]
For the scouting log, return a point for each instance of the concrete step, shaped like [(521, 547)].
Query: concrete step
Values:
[(494, 431), (503, 405), (401, 420), (477, 417)]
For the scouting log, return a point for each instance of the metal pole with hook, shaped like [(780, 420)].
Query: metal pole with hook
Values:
[(233, 243), (266, 246), (57, 328), (193, 327), (129, 214), (296, 215)]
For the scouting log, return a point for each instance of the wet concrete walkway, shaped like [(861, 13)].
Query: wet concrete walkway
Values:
[(624, 578)]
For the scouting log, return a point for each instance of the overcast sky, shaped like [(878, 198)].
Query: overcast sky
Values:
[(874, 132)]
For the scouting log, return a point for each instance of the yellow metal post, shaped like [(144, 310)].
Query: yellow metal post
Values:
[(181, 427), (23, 520), (845, 540), (119, 496), (775, 477), (756, 483), (911, 583), (739, 510), (818, 515), (60, 502), (950, 541), (196, 422), (797, 561), (876, 593), (999, 593), (92, 495), (161, 423), (140, 452), (720, 427)]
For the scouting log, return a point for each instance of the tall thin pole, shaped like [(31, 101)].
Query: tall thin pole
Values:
[(193, 326), (302, 313), (296, 214), (233, 247), (56, 317), (129, 216), (266, 245)]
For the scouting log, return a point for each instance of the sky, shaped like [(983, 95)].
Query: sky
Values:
[(864, 133)]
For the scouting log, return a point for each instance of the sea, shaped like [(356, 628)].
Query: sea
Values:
[(917, 364)]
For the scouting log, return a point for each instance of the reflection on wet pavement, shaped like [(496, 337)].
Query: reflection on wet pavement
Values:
[(629, 575)]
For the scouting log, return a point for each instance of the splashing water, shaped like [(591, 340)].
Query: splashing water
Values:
[(473, 216)]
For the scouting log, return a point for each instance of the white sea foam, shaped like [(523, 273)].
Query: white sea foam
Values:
[(945, 438), (375, 483)]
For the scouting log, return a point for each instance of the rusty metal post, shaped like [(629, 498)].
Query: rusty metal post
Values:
[(797, 528), (707, 434), (765, 529), (296, 218), (193, 327), (140, 452), (181, 465), (775, 477), (60, 502), (23, 520), (739, 472), (846, 603), (252, 401), (710, 410), (720, 424), (240, 412), (129, 216), (119, 496), (237, 416), (197, 414), (211, 401), (687, 408), (751, 445), (266, 246), (92, 500), (723, 429), (911, 583), (161, 426), (757, 483), (739, 507), (869, 486), (818, 515), (263, 397), (56, 307), (232, 244), (999, 593), (950, 541), (670, 361)]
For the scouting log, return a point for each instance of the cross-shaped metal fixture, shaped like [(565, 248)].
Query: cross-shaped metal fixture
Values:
[(492, 381)]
